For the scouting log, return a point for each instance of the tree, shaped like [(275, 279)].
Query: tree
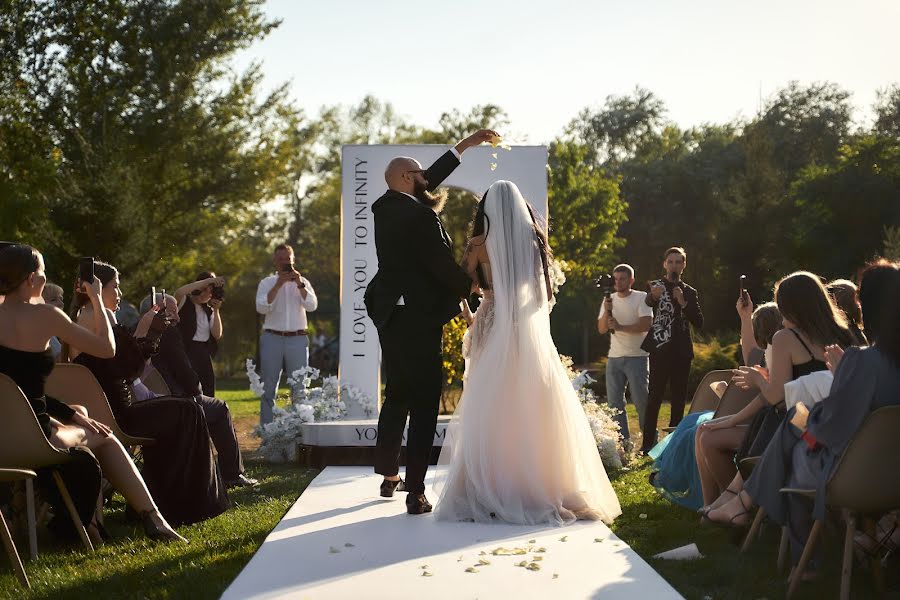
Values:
[(887, 112)]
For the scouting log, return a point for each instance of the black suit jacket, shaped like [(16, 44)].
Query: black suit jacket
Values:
[(415, 257), (173, 364)]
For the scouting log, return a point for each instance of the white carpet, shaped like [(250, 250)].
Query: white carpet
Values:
[(341, 540)]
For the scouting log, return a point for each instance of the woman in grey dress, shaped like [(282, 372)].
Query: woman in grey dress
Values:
[(806, 448)]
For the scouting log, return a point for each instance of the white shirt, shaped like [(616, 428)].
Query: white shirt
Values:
[(203, 324), (400, 300), (627, 311), (288, 311)]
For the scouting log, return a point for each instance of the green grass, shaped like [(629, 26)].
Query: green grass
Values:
[(133, 567)]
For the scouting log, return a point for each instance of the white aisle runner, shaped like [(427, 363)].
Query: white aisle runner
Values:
[(341, 540)]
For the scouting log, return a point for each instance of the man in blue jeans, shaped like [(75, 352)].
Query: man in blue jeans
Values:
[(284, 299), (627, 318)]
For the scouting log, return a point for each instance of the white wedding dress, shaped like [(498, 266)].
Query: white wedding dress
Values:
[(519, 448)]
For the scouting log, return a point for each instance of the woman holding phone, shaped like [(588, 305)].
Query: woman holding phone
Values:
[(25, 356), (179, 467)]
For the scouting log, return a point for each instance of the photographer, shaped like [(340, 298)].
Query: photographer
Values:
[(676, 305), (201, 324), (627, 317), (284, 299)]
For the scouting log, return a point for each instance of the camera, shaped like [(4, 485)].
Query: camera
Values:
[(218, 292), (607, 283)]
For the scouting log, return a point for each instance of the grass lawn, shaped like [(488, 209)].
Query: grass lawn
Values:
[(133, 567)]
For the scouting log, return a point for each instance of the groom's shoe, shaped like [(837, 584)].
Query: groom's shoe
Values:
[(416, 504), (388, 487)]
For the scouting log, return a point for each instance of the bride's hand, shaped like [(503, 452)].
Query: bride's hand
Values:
[(467, 313)]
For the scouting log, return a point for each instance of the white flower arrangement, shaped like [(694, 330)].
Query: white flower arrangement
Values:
[(600, 417), (309, 404), (256, 384), (557, 273)]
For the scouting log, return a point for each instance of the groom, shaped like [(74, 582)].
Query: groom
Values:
[(416, 290)]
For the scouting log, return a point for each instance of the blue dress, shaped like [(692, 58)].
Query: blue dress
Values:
[(675, 463)]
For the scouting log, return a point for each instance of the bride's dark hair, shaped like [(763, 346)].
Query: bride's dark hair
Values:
[(481, 225)]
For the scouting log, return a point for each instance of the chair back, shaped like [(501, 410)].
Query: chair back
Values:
[(704, 397), (155, 382), (23, 443), (734, 400), (75, 384), (866, 479)]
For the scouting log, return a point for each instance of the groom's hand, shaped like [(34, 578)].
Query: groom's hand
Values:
[(476, 139)]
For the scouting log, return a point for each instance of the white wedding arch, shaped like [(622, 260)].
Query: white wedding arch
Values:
[(362, 182)]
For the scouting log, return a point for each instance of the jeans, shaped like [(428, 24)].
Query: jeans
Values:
[(277, 354), (634, 371)]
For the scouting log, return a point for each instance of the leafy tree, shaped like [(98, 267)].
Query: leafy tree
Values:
[(887, 112)]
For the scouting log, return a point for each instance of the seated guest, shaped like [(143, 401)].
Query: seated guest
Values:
[(179, 467), (200, 323), (53, 295), (808, 444), (845, 296), (173, 364), (811, 322), (676, 475), (25, 331)]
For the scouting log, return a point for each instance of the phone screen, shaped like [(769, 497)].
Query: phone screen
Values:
[(86, 269), (743, 293)]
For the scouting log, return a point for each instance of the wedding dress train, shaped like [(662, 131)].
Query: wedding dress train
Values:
[(519, 448)]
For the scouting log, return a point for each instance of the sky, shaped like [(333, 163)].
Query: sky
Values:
[(543, 62)]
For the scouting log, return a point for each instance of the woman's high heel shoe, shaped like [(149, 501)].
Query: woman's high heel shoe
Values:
[(157, 529)]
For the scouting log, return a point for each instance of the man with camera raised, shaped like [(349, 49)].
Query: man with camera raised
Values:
[(284, 299), (201, 324), (627, 317)]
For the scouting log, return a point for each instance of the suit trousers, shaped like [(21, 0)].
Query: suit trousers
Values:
[(670, 370), (277, 354), (221, 432), (411, 352)]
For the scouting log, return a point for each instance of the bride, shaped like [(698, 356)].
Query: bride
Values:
[(519, 448)]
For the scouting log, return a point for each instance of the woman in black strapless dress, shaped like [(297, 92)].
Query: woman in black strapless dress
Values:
[(25, 331), (179, 468)]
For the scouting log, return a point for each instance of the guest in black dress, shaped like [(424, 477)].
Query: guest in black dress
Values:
[(179, 467), (200, 324), (25, 331)]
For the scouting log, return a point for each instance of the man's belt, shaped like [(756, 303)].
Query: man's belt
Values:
[(287, 333)]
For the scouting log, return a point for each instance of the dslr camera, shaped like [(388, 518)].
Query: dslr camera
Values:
[(218, 292), (607, 284)]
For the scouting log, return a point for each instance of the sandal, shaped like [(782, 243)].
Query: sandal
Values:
[(702, 511), (730, 522)]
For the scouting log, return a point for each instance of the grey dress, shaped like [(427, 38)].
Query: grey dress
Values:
[(866, 380)]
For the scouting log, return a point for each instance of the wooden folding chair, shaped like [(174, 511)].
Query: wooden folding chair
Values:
[(9, 475), (23, 445), (864, 484), (74, 384)]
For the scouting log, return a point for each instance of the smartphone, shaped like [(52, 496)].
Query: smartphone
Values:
[(86, 269), (152, 296), (162, 298), (287, 268), (743, 291)]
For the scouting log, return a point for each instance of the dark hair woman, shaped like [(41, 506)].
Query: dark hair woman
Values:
[(179, 467), (200, 324), (25, 356)]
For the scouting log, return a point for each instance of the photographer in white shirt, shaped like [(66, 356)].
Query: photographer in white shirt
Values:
[(284, 299), (628, 318)]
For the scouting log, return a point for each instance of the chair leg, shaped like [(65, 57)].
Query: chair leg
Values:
[(847, 566), (783, 549), (808, 549), (32, 521), (871, 526), (76, 520), (13, 554), (754, 529)]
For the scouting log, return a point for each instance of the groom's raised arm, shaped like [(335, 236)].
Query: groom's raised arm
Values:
[(447, 163)]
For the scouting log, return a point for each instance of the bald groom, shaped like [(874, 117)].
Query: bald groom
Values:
[(416, 290)]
